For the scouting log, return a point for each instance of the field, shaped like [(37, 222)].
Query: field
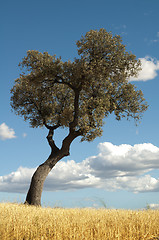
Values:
[(19, 222)]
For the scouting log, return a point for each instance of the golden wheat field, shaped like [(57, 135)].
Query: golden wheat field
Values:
[(21, 222)]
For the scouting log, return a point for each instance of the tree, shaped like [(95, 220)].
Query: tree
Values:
[(76, 95)]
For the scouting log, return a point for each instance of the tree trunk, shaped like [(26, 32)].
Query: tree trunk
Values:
[(38, 178)]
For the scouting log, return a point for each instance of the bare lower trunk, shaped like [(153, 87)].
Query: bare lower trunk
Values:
[(36, 186), (38, 179)]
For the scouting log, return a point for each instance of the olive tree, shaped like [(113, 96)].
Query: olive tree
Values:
[(76, 95)]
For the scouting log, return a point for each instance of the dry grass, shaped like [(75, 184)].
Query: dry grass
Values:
[(19, 222)]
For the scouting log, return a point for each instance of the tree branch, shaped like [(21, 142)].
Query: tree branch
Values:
[(51, 127), (68, 140), (51, 142), (74, 123), (50, 136), (60, 80)]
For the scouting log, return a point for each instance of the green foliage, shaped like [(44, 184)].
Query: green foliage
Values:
[(79, 94)]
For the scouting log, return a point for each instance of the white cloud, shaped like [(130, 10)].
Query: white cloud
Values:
[(153, 206), (122, 167), (144, 183), (124, 160), (6, 132), (149, 66), (16, 181)]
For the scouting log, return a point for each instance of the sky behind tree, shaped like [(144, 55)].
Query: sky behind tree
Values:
[(119, 168)]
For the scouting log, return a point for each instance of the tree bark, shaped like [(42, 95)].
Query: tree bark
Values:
[(38, 179), (35, 191)]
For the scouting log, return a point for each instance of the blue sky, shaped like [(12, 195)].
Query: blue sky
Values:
[(119, 168)]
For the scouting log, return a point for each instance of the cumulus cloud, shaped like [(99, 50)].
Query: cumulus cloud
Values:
[(6, 132), (149, 66), (124, 160), (122, 167), (17, 181)]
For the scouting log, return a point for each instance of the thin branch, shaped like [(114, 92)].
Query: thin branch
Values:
[(51, 127), (60, 80), (50, 136), (51, 141)]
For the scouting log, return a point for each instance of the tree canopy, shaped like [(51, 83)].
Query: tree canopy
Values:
[(79, 94)]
